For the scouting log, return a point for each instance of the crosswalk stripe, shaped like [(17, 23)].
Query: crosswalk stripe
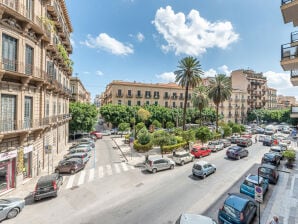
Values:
[(82, 177), (100, 172), (117, 168), (91, 175), (109, 169), (70, 182), (124, 166)]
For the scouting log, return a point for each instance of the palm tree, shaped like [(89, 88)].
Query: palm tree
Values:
[(220, 89), (188, 76), (200, 99)]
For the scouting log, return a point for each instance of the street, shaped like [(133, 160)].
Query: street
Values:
[(115, 192)]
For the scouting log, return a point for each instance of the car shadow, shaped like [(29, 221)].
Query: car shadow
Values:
[(227, 158), (195, 178)]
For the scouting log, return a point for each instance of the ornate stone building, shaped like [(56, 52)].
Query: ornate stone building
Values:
[(78, 91), (34, 87)]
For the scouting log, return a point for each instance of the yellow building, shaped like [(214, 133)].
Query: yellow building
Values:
[(289, 51), (286, 101), (79, 93), (34, 87)]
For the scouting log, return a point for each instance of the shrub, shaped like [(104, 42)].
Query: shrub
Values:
[(179, 139), (142, 148), (290, 154), (173, 140), (144, 139), (170, 148)]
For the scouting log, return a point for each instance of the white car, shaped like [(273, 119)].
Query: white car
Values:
[(215, 146), (187, 218), (183, 157)]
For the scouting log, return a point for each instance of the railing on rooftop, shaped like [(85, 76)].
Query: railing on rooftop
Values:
[(294, 37)]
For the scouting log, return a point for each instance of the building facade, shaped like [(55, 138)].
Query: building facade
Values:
[(78, 91), (137, 93), (271, 101), (34, 87), (289, 51), (286, 101)]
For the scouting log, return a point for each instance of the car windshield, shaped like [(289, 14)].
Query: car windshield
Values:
[(231, 211), (275, 149), (197, 166), (269, 156)]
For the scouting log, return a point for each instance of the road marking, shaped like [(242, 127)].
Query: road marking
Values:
[(109, 169), (70, 181), (124, 166), (117, 168), (82, 177), (100, 172), (91, 175), (132, 167)]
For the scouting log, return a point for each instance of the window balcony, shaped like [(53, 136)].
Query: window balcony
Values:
[(147, 96), (139, 96), (289, 57), (174, 97), (294, 77), (289, 10), (129, 95), (166, 97), (18, 126), (156, 97), (119, 95)]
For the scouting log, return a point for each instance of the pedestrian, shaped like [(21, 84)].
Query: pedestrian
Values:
[(256, 139), (274, 220)]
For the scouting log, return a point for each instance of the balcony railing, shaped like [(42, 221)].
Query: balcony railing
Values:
[(294, 37), (166, 97), (128, 95), (289, 52), (156, 96), (284, 2), (139, 96), (294, 74)]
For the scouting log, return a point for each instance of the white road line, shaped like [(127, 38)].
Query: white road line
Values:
[(100, 172), (109, 169), (117, 168), (91, 175), (70, 182), (82, 177), (124, 166)]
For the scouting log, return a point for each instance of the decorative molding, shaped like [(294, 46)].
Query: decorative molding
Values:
[(12, 22)]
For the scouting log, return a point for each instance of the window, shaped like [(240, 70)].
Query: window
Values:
[(129, 102), (47, 108), (28, 60), (174, 104), (156, 103), (8, 112), (181, 105), (119, 93), (9, 52), (50, 69), (54, 108), (166, 94), (156, 94), (166, 104), (72, 89), (139, 103), (129, 92), (147, 102), (119, 102), (147, 94), (29, 9), (139, 93), (28, 112), (181, 95)]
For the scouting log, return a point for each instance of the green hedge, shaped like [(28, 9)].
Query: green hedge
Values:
[(170, 148), (142, 148)]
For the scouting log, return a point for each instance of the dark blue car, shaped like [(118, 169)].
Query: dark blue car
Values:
[(248, 185), (237, 209)]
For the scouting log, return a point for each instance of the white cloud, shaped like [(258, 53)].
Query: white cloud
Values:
[(86, 73), (73, 44), (192, 34), (167, 76), (104, 42), (140, 37), (210, 73), (99, 73), (278, 80), (225, 70)]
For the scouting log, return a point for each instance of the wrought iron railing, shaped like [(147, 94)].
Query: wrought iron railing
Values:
[(294, 74), (284, 2), (289, 52)]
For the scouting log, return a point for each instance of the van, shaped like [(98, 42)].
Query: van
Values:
[(269, 172)]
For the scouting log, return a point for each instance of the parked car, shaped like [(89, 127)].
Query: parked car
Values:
[(70, 166), (268, 141), (286, 130), (244, 142), (234, 138), (97, 134), (271, 158), (157, 163), (246, 135), (236, 152), (80, 150), (10, 207), (248, 185), (260, 130), (203, 169), (106, 133), (262, 138), (269, 172), (283, 145), (88, 141), (80, 155), (183, 157), (47, 186), (200, 151), (187, 218), (81, 145), (270, 130), (225, 142), (278, 150), (237, 208), (215, 146)]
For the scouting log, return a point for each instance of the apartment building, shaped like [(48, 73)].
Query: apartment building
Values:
[(271, 99), (286, 101), (289, 51), (78, 91), (97, 100), (137, 93), (34, 87)]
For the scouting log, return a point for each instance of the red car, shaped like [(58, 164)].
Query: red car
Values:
[(97, 134), (200, 151)]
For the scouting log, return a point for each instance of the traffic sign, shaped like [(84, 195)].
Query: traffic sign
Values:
[(259, 194)]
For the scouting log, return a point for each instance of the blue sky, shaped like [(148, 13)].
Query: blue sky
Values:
[(143, 40)]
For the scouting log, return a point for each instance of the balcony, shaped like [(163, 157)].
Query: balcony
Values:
[(289, 10), (119, 95), (166, 97), (294, 112), (156, 97), (181, 97), (139, 96), (129, 95), (174, 97), (294, 77), (289, 57), (147, 96)]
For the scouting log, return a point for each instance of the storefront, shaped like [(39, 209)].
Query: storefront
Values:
[(27, 166), (7, 170)]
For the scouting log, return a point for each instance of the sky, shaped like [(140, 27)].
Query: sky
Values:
[(144, 40)]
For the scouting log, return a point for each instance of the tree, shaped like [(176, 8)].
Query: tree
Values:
[(188, 76), (161, 138), (188, 136), (200, 99), (123, 127), (84, 117), (143, 114), (203, 134), (220, 89), (170, 125)]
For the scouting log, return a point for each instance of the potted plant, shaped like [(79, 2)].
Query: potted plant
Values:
[(290, 155)]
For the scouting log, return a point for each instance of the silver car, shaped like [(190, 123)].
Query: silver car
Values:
[(203, 169), (11, 207), (158, 163), (183, 157)]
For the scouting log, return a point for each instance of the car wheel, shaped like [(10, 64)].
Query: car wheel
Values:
[(204, 176), (172, 167), (182, 163), (72, 171), (13, 213), (238, 157), (154, 170)]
